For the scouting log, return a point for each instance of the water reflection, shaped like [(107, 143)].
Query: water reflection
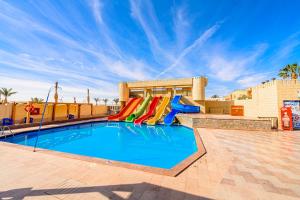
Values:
[(57, 138)]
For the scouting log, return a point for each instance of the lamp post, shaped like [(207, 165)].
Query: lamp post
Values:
[(55, 99), (88, 96), (55, 93)]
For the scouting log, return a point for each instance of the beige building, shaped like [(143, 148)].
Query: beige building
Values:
[(192, 90), (240, 94), (267, 99), (189, 87), (263, 101)]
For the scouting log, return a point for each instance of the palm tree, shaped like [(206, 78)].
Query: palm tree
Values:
[(96, 100), (283, 73), (290, 71), (36, 100), (294, 69), (6, 93), (105, 101), (215, 96), (116, 100), (243, 97)]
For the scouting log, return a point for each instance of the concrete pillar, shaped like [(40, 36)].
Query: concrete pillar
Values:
[(149, 92), (169, 92), (198, 88), (122, 104), (28, 114), (13, 112), (88, 96), (123, 93), (174, 91)]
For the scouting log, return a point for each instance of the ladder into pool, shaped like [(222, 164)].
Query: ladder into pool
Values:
[(4, 129)]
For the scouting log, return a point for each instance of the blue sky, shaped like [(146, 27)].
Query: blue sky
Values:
[(96, 44)]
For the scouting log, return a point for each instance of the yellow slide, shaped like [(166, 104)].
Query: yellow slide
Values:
[(160, 111)]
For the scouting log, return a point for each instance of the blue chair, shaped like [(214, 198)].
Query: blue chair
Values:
[(7, 122), (71, 116), (30, 120)]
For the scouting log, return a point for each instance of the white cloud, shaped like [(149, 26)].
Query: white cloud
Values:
[(181, 27), (198, 42), (161, 53), (56, 46), (226, 70), (70, 61), (135, 70), (228, 67), (251, 80), (164, 52), (97, 8), (217, 89), (286, 50)]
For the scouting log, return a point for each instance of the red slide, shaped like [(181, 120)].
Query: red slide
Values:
[(150, 112), (114, 117)]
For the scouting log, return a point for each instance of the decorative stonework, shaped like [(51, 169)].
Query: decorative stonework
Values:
[(233, 123)]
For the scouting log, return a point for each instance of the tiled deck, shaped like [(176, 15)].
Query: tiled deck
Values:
[(238, 165)]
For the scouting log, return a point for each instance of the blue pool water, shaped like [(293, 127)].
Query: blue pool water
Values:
[(156, 146)]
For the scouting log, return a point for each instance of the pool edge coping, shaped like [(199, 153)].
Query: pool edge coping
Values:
[(176, 170)]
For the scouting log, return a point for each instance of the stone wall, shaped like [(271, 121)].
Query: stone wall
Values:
[(100, 110), (250, 107), (232, 124), (218, 107), (48, 112), (19, 113), (59, 112), (238, 124), (74, 110), (5, 110), (85, 110)]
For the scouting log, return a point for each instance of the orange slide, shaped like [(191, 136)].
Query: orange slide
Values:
[(127, 110)]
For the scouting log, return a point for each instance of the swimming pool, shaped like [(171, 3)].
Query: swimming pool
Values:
[(155, 146)]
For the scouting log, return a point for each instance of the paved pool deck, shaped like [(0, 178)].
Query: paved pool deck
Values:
[(237, 165)]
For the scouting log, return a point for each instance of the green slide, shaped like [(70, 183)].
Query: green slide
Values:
[(139, 111)]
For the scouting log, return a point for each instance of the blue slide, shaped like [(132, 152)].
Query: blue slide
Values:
[(179, 108)]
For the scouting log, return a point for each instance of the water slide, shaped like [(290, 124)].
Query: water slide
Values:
[(127, 110), (131, 109), (113, 117), (160, 111), (150, 112), (179, 108), (139, 111)]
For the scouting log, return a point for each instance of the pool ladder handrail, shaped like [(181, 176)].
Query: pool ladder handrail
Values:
[(42, 119), (2, 128)]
